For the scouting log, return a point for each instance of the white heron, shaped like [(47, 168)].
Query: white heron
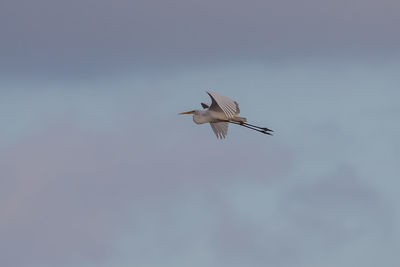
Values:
[(220, 113)]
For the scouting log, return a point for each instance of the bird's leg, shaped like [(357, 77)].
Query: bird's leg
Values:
[(255, 129), (262, 128), (250, 127)]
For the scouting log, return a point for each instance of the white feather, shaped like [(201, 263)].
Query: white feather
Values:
[(227, 105), (220, 129)]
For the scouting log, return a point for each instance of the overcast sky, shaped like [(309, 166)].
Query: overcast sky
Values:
[(47, 36), (97, 168)]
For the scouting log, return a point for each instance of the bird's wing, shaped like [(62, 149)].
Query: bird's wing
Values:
[(237, 108), (224, 104), (220, 129), (204, 105)]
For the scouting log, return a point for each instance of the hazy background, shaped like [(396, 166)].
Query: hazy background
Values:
[(97, 168)]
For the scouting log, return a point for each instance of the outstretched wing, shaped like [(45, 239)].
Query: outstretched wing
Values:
[(224, 104), (220, 129)]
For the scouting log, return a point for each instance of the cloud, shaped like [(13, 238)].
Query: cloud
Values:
[(334, 219), (68, 192), (88, 36), (307, 223), (58, 204), (106, 178)]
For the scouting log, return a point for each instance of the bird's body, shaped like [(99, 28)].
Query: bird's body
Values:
[(211, 116), (220, 113)]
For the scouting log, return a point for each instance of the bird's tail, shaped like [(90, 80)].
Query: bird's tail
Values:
[(238, 119)]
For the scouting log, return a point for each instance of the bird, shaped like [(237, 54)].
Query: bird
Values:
[(220, 113)]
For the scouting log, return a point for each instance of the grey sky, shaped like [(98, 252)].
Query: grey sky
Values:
[(97, 169), (102, 36), (93, 177)]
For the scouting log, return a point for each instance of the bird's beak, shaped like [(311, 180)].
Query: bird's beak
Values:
[(187, 112)]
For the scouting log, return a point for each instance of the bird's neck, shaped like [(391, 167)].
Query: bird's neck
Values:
[(201, 116)]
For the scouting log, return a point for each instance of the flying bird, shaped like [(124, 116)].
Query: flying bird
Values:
[(220, 113)]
